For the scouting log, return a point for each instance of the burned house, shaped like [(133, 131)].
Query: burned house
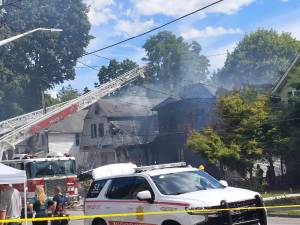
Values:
[(193, 110), (118, 130)]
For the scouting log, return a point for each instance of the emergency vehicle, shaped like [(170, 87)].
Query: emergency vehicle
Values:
[(48, 172), (125, 188)]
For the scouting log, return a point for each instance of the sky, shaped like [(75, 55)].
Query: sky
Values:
[(218, 29)]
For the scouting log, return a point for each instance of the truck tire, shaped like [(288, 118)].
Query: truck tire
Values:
[(99, 221), (170, 222)]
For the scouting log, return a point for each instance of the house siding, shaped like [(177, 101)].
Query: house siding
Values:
[(64, 143)]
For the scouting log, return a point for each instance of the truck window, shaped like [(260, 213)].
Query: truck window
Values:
[(120, 188), (50, 168), (140, 184), (127, 187), (96, 188)]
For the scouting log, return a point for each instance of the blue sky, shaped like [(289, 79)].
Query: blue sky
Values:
[(217, 29)]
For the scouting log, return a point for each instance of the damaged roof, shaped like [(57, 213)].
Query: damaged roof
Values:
[(128, 107)]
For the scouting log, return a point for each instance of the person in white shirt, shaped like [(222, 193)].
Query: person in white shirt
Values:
[(10, 203)]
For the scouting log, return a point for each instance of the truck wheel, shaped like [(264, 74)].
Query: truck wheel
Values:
[(99, 221), (170, 222)]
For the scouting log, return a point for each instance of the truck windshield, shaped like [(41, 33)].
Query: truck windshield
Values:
[(185, 182), (50, 168)]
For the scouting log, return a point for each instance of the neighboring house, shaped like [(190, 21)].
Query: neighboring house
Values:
[(66, 136)]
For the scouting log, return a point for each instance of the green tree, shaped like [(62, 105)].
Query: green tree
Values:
[(43, 59), (259, 58), (67, 93), (172, 61), (211, 146), (238, 141), (86, 90), (115, 69)]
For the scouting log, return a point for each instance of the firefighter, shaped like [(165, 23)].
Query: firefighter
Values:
[(60, 202)]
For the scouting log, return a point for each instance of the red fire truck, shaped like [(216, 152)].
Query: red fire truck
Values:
[(48, 172)]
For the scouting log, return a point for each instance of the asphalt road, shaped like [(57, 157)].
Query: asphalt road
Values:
[(271, 220)]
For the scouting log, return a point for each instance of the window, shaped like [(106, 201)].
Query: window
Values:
[(120, 188), (101, 129), (96, 188), (185, 182), (127, 187), (93, 131), (140, 184), (50, 168), (77, 139)]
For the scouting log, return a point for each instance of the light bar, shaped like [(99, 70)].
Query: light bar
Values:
[(161, 166)]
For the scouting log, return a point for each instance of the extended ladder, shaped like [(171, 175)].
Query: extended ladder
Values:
[(38, 121)]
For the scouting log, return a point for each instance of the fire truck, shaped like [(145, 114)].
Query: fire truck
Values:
[(48, 172)]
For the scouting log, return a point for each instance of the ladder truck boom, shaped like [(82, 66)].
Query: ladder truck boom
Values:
[(13, 123), (30, 128)]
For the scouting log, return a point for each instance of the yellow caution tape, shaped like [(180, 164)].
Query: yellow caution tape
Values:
[(144, 213)]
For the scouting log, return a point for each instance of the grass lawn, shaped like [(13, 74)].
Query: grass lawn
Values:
[(283, 202), (286, 213), (275, 193)]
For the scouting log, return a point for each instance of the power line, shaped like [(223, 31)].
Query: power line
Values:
[(154, 29), (93, 68), (102, 57)]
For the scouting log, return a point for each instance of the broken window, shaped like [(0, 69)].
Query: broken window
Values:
[(93, 130), (77, 141), (101, 129)]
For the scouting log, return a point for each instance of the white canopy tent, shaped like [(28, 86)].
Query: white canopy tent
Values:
[(9, 175)]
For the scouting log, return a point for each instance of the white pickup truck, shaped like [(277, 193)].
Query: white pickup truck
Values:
[(125, 188)]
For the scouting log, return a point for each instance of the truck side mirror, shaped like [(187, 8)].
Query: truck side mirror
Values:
[(144, 196), (224, 183)]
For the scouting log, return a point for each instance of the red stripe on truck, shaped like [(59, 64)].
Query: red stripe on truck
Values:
[(54, 118)]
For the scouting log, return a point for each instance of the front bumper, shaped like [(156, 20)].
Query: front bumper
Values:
[(243, 216)]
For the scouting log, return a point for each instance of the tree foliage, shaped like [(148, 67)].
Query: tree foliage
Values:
[(67, 93), (43, 59), (115, 69), (172, 61), (259, 58), (209, 144), (238, 141)]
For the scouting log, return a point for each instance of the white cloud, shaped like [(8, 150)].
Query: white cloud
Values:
[(132, 27), (180, 7), (100, 13), (209, 32)]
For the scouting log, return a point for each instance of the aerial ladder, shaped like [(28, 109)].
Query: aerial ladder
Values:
[(18, 129)]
